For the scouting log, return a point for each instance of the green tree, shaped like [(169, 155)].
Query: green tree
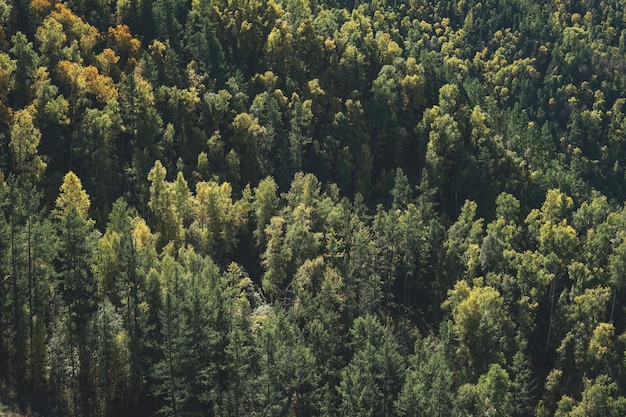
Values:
[(123, 282), (428, 385), (482, 325), (111, 367), (463, 244), (285, 368), (363, 282), (265, 206), (41, 250), (143, 126), (76, 287), (27, 61), (300, 132), (201, 42), (167, 217), (168, 373), (250, 144), (445, 148), (599, 398), (495, 386), (235, 391), (29, 252), (217, 218), (276, 259), (96, 148), (372, 380)]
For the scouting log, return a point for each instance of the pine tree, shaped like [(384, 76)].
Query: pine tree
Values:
[(372, 380)]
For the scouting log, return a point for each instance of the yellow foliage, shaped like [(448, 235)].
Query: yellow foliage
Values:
[(315, 89), (107, 266), (86, 35), (601, 340), (41, 7), (388, 49), (268, 79), (107, 60), (25, 137), (122, 339), (142, 235), (71, 196), (122, 37), (216, 217), (101, 86), (87, 80)]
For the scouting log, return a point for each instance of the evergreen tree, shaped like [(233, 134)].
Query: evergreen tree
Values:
[(372, 380)]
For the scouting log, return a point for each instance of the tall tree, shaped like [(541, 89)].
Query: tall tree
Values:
[(372, 380), (482, 325), (76, 287), (427, 389)]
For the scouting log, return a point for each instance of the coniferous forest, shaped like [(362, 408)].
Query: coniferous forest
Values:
[(313, 208)]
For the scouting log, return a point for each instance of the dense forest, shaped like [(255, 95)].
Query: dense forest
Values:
[(313, 208)]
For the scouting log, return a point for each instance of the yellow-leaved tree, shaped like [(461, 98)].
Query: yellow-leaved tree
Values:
[(72, 196), (24, 143)]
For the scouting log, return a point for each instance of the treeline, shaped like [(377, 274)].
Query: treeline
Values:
[(277, 208)]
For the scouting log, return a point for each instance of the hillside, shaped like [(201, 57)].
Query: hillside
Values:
[(313, 208)]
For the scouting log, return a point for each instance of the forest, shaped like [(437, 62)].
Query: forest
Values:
[(313, 208)]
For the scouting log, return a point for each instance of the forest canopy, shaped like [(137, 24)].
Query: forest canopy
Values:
[(313, 208)]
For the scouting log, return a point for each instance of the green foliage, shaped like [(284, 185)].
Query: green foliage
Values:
[(312, 208), (481, 324), (371, 381), (427, 390)]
